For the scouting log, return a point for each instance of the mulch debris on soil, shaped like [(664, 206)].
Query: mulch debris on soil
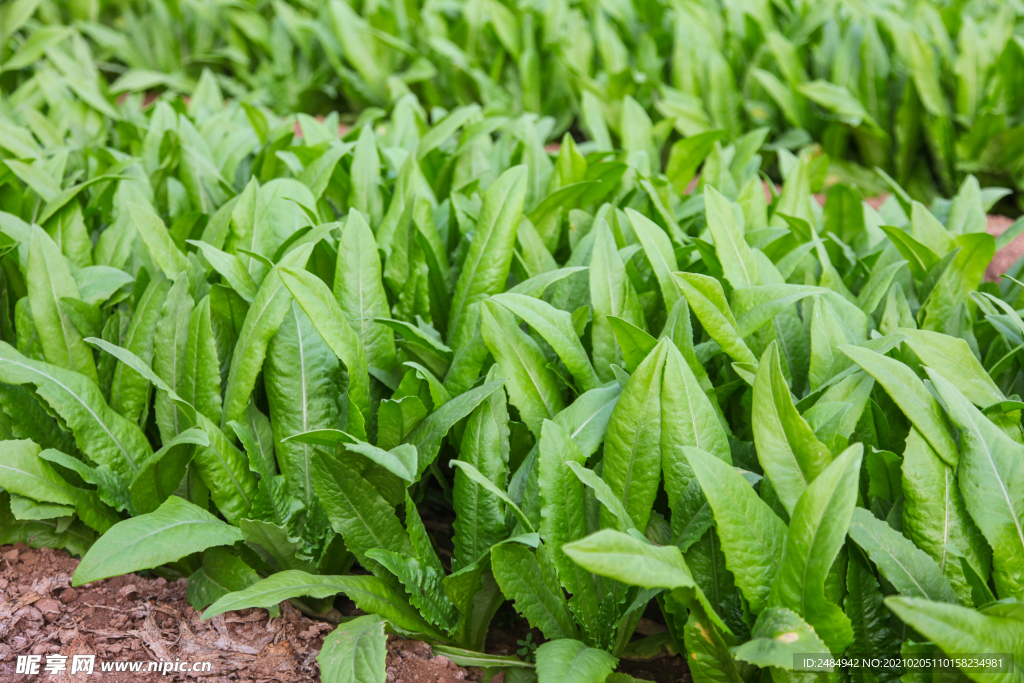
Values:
[(137, 619)]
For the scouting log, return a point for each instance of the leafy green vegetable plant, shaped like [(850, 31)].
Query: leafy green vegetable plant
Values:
[(288, 362)]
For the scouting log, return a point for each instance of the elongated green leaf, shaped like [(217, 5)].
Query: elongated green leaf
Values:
[(176, 529), (359, 290), (170, 347), (632, 451), (161, 473), (427, 435), (570, 661), (563, 517), (103, 435), (707, 300), (777, 637), (556, 328), (23, 471), (934, 514), (905, 566), (479, 517), (230, 268), (817, 531), (490, 254), (953, 359), (200, 381), (357, 511), (662, 258), (49, 280), (319, 304), (991, 477), (737, 257), (611, 294), (532, 386), (154, 233), (422, 583), (302, 377), (958, 629), (129, 390), (354, 652), (368, 592), (752, 535), (787, 448), (221, 573), (261, 322), (534, 592)]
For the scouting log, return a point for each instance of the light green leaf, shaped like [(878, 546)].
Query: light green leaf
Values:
[(176, 529)]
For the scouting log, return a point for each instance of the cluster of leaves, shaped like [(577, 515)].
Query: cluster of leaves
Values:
[(280, 365), (927, 91)]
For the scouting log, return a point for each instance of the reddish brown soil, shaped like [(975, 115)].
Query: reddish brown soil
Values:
[(133, 618)]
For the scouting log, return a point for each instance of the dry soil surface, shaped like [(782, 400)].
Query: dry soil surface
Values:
[(136, 619)]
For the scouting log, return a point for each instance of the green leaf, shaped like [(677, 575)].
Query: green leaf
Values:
[(872, 623), (532, 387), (359, 290), (920, 259), (787, 448), (841, 102), (129, 390), (611, 294), (687, 155), (221, 573), (912, 397), (49, 280), (105, 437), (161, 473), (24, 472), (230, 268), (906, 567), (535, 592), (400, 461), (479, 517), (480, 480), (958, 629), (423, 585), (658, 249), (261, 322), (752, 535), (991, 477), (176, 529), (934, 514), (368, 592), (200, 382), (953, 359), (817, 531), (302, 377), (490, 254), (354, 652), (707, 300), (737, 257), (427, 435), (357, 511), (320, 305), (570, 661), (170, 346), (556, 328), (688, 420), (633, 562), (779, 634), (632, 451), (563, 518), (634, 343), (158, 240)]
